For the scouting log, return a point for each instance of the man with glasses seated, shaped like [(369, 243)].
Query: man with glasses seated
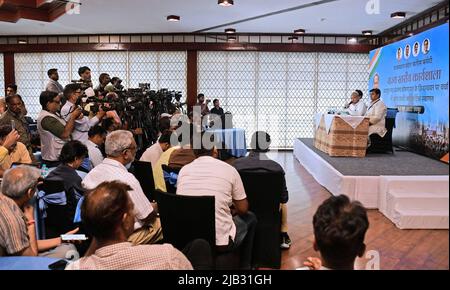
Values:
[(121, 148), (72, 93), (53, 130)]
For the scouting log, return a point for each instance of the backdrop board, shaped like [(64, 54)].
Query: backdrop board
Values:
[(412, 75)]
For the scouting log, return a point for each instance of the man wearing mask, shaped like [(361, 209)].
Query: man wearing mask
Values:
[(15, 116), (72, 93), (53, 85), (121, 148), (103, 80)]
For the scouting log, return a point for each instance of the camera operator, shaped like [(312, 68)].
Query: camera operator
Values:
[(104, 79), (72, 93), (117, 83), (85, 77), (53, 129), (203, 106)]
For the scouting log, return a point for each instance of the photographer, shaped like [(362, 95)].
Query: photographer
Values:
[(53, 129), (72, 93), (203, 106), (85, 76), (103, 80), (117, 83)]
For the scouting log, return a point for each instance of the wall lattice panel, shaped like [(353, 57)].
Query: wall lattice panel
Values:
[(160, 69), (280, 92)]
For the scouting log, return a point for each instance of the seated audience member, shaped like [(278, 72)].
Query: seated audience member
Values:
[(72, 93), (356, 107), (18, 152), (185, 154), (121, 149), (208, 176), (16, 114), (258, 161), (53, 130), (340, 227), (17, 225), (108, 215), (71, 158), (97, 136), (10, 139), (153, 153), (2, 106), (376, 111)]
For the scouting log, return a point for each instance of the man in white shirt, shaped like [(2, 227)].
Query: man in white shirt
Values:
[(72, 93), (377, 113), (53, 85), (356, 107), (208, 176), (97, 137), (154, 152), (121, 149)]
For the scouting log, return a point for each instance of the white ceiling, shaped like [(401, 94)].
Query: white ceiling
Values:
[(149, 16)]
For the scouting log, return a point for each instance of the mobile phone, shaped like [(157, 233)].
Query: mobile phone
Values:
[(13, 124), (78, 237), (58, 265)]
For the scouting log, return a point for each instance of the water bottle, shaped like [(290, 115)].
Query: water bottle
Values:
[(44, 171)]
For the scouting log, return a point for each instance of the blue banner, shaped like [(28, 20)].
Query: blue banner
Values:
[(412, 75)]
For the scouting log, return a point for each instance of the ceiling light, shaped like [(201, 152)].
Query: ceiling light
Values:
[(230, 30), (352, 40), (173, 18), (231, 38), (22, 41), (410, 34), (398, 15), (299, 31), (367, 32), (226, 3), (293, 38)]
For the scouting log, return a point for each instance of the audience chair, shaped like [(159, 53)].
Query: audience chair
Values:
[(144, 174), (263, 194)]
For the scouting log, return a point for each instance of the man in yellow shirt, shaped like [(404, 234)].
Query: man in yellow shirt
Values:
[(10, 139), (158, 175), (16, 152)]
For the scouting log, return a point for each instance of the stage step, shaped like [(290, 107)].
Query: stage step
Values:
[(415, 202), (412, 219)]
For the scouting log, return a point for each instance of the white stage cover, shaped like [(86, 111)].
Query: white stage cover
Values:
[(411, 202)]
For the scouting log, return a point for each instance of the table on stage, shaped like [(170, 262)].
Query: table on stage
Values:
[(234, 140), (341, 135)]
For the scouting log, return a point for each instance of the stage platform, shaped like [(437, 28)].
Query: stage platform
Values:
[(409, 189)]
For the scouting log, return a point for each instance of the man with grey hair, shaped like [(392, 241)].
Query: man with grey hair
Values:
[(17, 225), (120, 150)]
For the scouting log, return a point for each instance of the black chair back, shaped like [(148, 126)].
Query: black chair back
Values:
[(59, 219), (144, 174), (186, 218), (170, 187), (263, 191)]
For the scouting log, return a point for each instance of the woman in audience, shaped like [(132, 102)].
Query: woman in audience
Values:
[(107, 213), (340, 227)]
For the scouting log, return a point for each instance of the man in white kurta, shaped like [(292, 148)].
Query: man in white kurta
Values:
[(377, 113)]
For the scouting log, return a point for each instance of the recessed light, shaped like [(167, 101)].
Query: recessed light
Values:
[(173, 18), (230, 30), (231, 38), (22, 41), (225, 3), (293, 38), (367, 32), (398, 15), (352, 40), (299, 31)]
